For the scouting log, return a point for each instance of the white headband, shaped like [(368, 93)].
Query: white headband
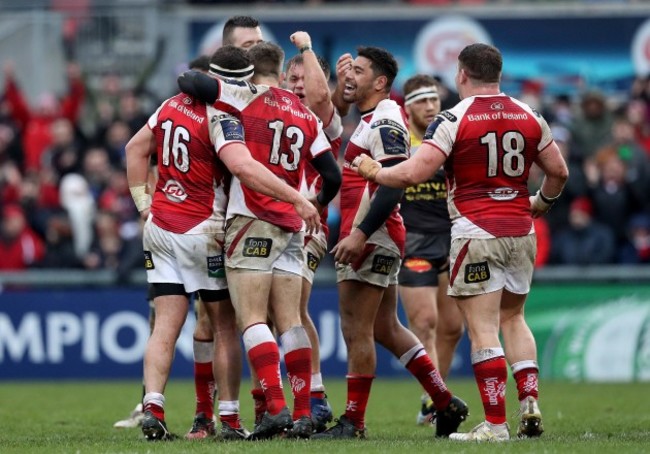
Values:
[(236, 74), (421, 93)]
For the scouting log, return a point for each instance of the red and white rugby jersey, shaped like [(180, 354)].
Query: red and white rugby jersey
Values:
[(491, 143), (282, 134), (382, 134), (312, 181), (190, 195)]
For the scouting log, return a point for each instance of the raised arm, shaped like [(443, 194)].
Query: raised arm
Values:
[(73, 102), (317, 91), (18, 107)]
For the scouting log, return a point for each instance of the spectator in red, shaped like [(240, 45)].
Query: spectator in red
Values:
[(20, 247), (75, 13), (35, 125)]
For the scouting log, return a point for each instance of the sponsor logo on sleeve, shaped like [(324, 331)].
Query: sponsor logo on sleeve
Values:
[(232, 128), (382, 264), (387, 122), (431, 129), (215, 267), (448, 116), (394, 141), (257, 247), (477, 272), (148, 261)]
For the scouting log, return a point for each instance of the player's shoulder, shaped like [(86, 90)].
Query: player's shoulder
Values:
[(283, 92), (242, 86), (171, 100), (291, 105), (183, 104), (388, 114), (240, 94), (388, 108), (525, 107), (184, 99), (453, 116), (287, 98)]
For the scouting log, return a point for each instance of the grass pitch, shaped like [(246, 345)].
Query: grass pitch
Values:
[(77, 417)]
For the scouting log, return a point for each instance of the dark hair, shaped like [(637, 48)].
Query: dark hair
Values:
[(481, 62), (382, 63), (419, 81), (202, 63), (230, 57), (267, 58), (235, 22), (299, 60)]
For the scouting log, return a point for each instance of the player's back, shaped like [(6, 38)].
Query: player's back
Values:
[(189, 192), (497, 140), (283, 135)]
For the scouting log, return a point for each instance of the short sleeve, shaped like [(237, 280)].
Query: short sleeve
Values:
[(225, 129), (153, 119), (320, 144), (547, 136), (441, 132), (388, 139), (334, 128)]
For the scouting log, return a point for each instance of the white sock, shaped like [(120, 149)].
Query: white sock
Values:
[(154, 399), (228, 407), (317, 383)]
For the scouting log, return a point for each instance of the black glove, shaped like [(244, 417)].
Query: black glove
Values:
[(199, 85)]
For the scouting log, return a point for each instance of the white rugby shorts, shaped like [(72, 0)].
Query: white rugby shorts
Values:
[(481, 266), (254, 244), (194, 260)]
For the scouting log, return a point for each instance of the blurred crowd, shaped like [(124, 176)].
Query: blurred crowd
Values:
[(64, 197), (65, 202), (80, 5), (603, 216), (412, 2)]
